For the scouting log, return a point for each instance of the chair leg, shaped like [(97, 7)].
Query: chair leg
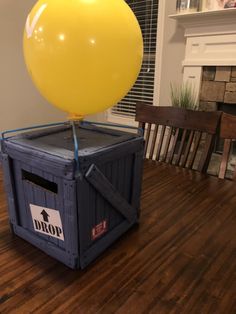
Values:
[(225, 158)]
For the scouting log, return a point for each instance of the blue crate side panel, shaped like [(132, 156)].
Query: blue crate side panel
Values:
[(49, 248), (55, 165), (103, 186), (64, 201), (112, 153), (71, 219), (82, 205), (32, 194), (20, 195), (51, 199), (119, 172), (137, 181)]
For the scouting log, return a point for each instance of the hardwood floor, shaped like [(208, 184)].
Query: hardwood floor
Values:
[(181, 259)]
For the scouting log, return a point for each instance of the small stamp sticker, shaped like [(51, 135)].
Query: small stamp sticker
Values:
[(99, 230), (47, 221)]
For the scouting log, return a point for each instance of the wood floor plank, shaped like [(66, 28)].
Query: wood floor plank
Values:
[(181, 258)]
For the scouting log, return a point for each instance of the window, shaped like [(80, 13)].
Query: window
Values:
[(146, 12)]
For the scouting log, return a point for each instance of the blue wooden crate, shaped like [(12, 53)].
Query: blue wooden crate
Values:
[(73, 215)]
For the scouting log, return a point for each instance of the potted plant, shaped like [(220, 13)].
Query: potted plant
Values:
[(184, 96)]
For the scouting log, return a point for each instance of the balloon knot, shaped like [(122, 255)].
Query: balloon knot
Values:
[(75, 117)]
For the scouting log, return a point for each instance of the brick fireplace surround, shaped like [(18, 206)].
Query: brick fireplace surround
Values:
[(218, 89), (210, 55), (218, 92), (210, 63)]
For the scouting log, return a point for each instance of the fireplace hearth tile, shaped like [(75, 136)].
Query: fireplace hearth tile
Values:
[(212, 91), (223, 74), (233, 72), (231, 87), (208, 106), (230, 98), (209, 73)]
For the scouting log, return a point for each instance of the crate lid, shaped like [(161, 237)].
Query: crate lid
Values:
[(58, 141)]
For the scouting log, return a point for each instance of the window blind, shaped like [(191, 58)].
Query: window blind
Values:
[(146, 12)]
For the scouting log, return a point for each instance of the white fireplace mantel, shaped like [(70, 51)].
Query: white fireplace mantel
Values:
[(219, 22), (210, 41), (210, 37)]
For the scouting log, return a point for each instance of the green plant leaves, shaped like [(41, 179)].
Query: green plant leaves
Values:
[(184, 96)]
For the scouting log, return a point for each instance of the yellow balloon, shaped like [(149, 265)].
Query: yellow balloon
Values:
[(83, 55)]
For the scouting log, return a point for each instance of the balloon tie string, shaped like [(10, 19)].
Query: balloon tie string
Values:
[(35, 127), (76, 149), (139, 130)]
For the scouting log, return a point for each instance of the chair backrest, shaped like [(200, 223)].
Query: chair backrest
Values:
[(178, 136), (228, 134)]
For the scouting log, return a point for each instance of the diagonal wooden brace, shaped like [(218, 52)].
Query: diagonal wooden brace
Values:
[(97, 179), (9, 184)]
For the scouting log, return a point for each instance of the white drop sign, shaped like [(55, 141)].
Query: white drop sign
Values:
[(47, 221)]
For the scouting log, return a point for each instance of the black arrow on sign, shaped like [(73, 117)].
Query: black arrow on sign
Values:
[(45, 215)]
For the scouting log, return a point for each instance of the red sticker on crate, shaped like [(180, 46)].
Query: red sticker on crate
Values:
[(99, 230)]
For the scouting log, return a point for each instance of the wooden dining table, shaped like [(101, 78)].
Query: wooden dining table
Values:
[(181, 258)]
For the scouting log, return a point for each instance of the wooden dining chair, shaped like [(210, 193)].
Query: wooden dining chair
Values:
[(228, 134), (178, 136)]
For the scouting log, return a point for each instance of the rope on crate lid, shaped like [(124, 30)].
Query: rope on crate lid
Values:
[(72, 122), (30, 128)]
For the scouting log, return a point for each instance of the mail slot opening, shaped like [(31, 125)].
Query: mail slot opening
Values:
[(39, 181)]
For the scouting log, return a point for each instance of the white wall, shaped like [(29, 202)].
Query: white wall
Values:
[(20, 103), (170, 53)]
